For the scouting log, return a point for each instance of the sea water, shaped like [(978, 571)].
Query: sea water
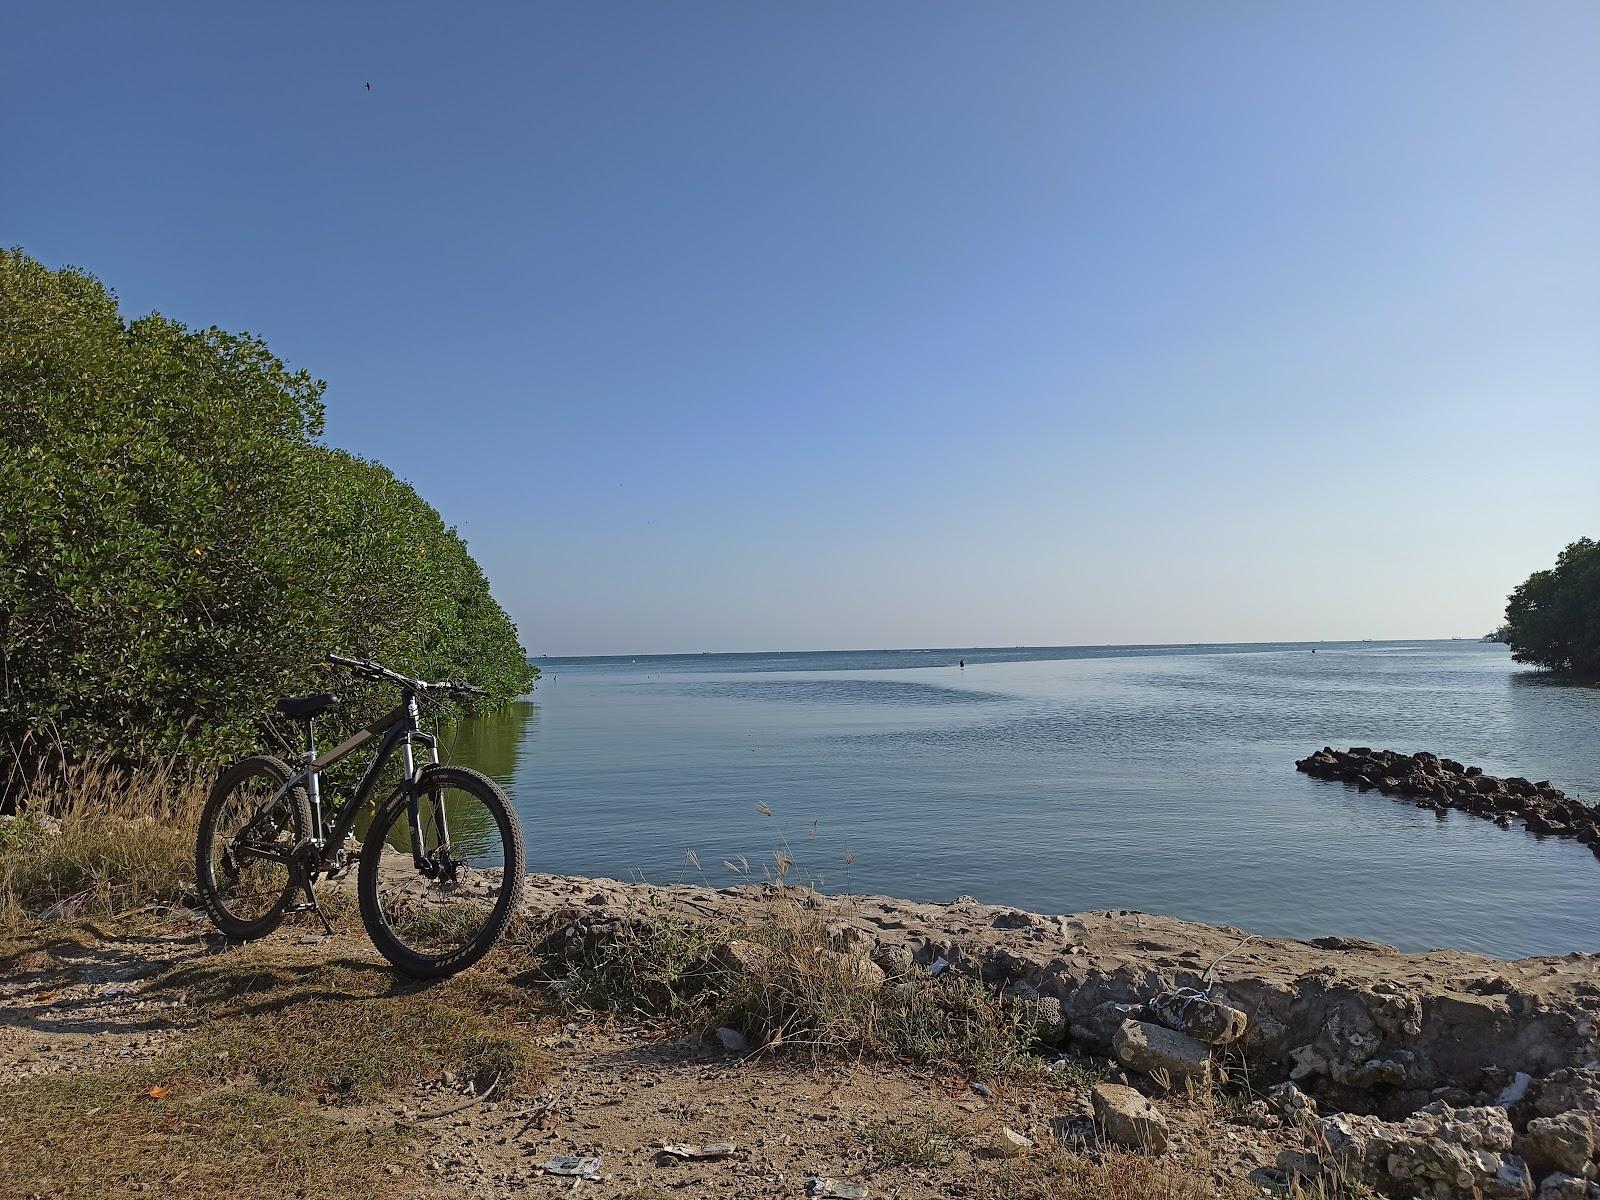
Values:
[(1158, 778)]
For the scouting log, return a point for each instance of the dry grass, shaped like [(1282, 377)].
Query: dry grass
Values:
[(1113, 1175), (250, 1103), (784, 983), (348, 1031), (799, 990), (95, 840), (83, 1137)]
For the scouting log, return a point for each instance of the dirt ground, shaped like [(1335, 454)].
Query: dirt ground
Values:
[(83, 1001)]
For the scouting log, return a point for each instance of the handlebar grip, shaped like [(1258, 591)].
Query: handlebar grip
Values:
[(360, 666)]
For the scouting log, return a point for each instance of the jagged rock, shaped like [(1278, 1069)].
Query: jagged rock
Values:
[(1348, 1039), (1128, 1119), (1437, 1152), (1201, 1018), (1444, 783), (1380, 1072), (1011, 1144), (1330, 1007), (1097, 1027), (1259, 1114), (1562, 1091), (1561, 1186), (1290, 1103), (1561, 1143), (1141, 1046)]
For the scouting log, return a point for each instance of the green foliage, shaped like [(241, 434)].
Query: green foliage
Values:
[(1553, 618), (178, 549)]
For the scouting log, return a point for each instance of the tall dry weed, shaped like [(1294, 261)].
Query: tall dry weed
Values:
[(99, 839)]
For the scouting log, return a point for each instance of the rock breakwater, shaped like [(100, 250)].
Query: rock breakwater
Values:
[(1429, 781)]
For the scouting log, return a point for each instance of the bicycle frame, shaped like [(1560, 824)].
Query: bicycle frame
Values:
[(398, 728)]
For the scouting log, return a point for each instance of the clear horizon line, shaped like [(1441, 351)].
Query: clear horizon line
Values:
[(1013, 646)]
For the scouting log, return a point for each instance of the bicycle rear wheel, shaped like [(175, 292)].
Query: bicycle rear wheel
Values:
[(248, 828), (437, 896)]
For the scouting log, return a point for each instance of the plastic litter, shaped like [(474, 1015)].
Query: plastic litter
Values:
[(579, 1168), (837, 1189), (938, 967), (1515, 1090), (681, 1150), (983, 1090)]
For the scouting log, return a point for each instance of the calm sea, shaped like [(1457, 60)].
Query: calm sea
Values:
[(1158, 778)]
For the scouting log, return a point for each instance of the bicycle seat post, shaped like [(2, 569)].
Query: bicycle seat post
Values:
[(313, 781)]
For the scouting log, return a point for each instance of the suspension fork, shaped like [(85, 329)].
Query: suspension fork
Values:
[(413, 786)]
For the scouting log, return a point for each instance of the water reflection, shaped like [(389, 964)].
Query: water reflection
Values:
[(473, 832), (491, 743)]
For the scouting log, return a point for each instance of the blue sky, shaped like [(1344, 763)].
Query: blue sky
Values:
[(768, 326)]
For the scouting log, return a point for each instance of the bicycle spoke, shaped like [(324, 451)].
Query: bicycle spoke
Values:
[(250, 884), (442, 902)]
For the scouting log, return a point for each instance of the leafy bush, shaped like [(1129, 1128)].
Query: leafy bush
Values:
[(1553, 618), (179, 550)]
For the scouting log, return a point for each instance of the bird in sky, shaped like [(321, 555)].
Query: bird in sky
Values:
[(369, 87)]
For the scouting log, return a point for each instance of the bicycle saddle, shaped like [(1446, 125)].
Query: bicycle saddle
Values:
[(303, 708)]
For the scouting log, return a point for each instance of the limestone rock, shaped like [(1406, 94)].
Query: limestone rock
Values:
[(1128, 1119), (1561, 1186), (1561, 1143), (1290, 1103), (1562, 1091), (1011, 1144), (1438, 1151), (1096, 1028), (1050, 1021), (1203, 1019), (1149, 1048)]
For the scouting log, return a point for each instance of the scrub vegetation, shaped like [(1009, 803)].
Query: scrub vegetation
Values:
[(180, 548), (1553, 618)]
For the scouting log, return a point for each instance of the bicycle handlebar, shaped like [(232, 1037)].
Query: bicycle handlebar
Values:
[(375, 670)]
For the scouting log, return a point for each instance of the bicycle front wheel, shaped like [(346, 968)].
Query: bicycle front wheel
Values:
[(441, 878)]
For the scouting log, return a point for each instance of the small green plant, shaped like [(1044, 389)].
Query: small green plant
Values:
[(923, 1144)]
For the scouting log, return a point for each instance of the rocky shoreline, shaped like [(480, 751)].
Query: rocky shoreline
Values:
[(1429, 781), (1439, 1074)]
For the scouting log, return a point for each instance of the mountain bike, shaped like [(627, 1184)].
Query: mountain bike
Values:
[(439, 862)]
